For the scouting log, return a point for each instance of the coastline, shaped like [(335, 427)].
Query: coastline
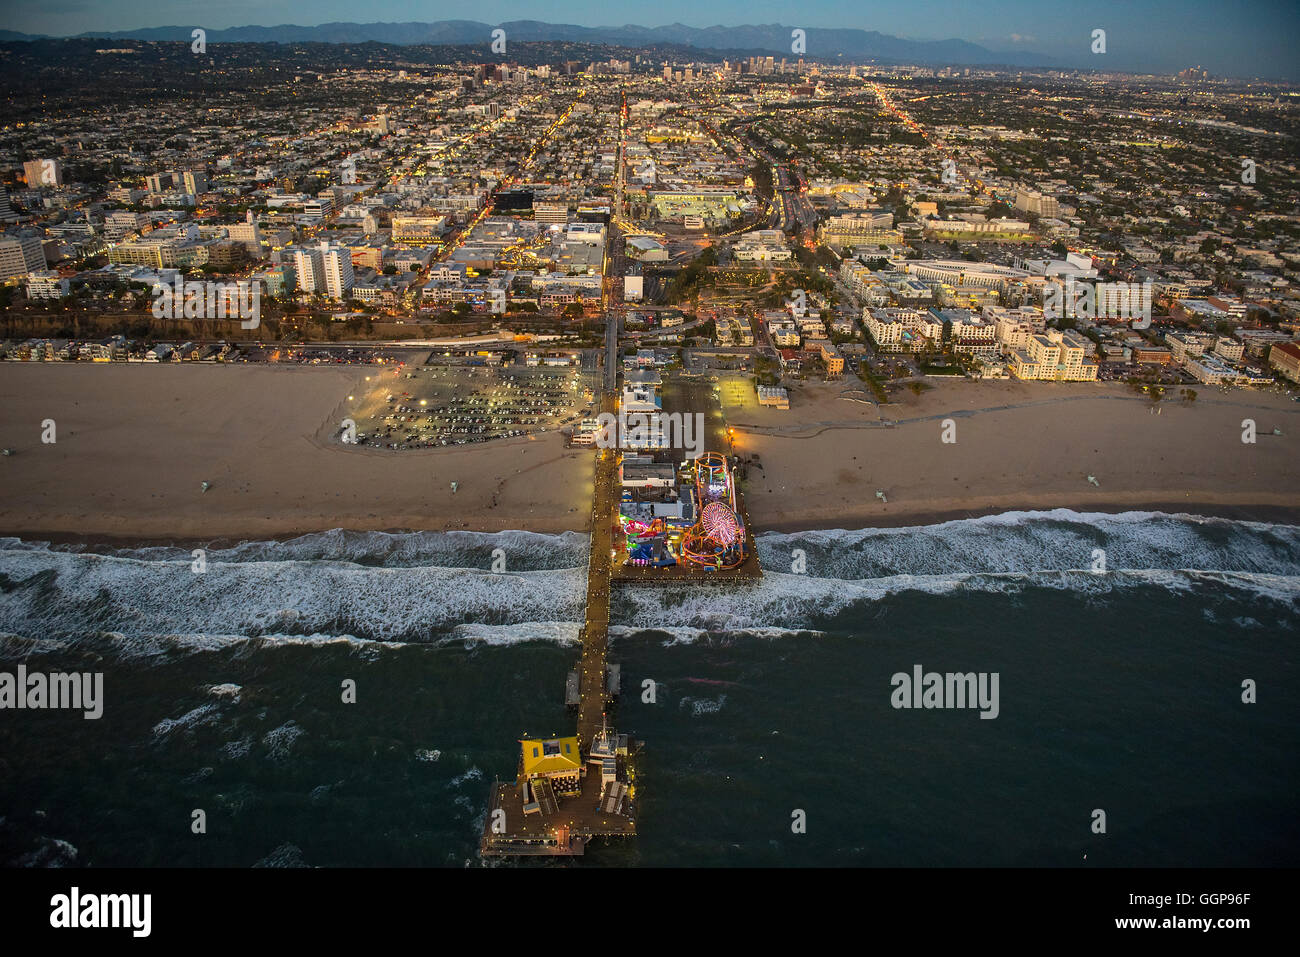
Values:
[(136, 444), (857, 521), (1263, 514)]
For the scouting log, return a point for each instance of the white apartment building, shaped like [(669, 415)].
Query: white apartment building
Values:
[(248, 234), (1186, 345), (1014, 326), (958, 272), (590, 234), (640, 398), (784, 333), (1054, 356), (1230, 350), (417, 229), (46, 284), (121, 223), (976, 336), (551, 213), (901, 330), (338, 270), (1213, 370), (326, 268)]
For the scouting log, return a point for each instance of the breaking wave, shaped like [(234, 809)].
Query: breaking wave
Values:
[(373, 589)]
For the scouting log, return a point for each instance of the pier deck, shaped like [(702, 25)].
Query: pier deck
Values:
[(564, 832), (595, 631), (562, 825), (559, 824)]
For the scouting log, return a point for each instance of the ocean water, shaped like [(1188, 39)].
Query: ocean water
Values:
[(1119, 690)]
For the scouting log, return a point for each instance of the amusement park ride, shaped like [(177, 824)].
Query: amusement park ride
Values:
[(717, 539)]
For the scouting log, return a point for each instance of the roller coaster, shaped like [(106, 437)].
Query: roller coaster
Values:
[(717, 540)]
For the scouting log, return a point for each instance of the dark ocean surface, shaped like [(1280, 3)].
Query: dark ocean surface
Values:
[(1118, 690)]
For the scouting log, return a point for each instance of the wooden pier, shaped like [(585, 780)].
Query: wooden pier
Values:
[(527, 816), (562, 826)]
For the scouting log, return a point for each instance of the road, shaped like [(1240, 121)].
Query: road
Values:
[(605, 496), (612, 324)]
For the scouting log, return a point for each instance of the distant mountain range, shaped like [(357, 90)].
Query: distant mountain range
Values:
[(821, 44)]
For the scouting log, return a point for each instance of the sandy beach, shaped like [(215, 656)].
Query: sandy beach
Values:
[(136, 442), (1018, 446)]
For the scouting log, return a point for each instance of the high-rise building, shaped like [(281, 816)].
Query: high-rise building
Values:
[(1037, 203), (20, 255), (309, 269), (196, 181), (326, 268), (337, 263)]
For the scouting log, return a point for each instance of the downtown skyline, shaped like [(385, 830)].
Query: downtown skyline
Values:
[(1255, 39)]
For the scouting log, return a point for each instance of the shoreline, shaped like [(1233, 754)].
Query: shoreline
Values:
[(137, 447), (1263, 514)]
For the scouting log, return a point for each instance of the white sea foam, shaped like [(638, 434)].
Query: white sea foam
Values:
[(424, 754), (1026, 542), (458, 549), (783, 604), (685, 635), (233, 750), (369, 591), (699, 706), (134, 597), (473, 774), (286, 855), (21, 646), (557, 632), (50, 852), (204, 714), (230, 691), (280, 741), (128, 647)]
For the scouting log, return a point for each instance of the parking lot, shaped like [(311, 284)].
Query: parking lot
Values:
[(442, 405)]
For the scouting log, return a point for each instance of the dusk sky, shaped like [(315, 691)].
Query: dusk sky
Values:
[(1242, 38)]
